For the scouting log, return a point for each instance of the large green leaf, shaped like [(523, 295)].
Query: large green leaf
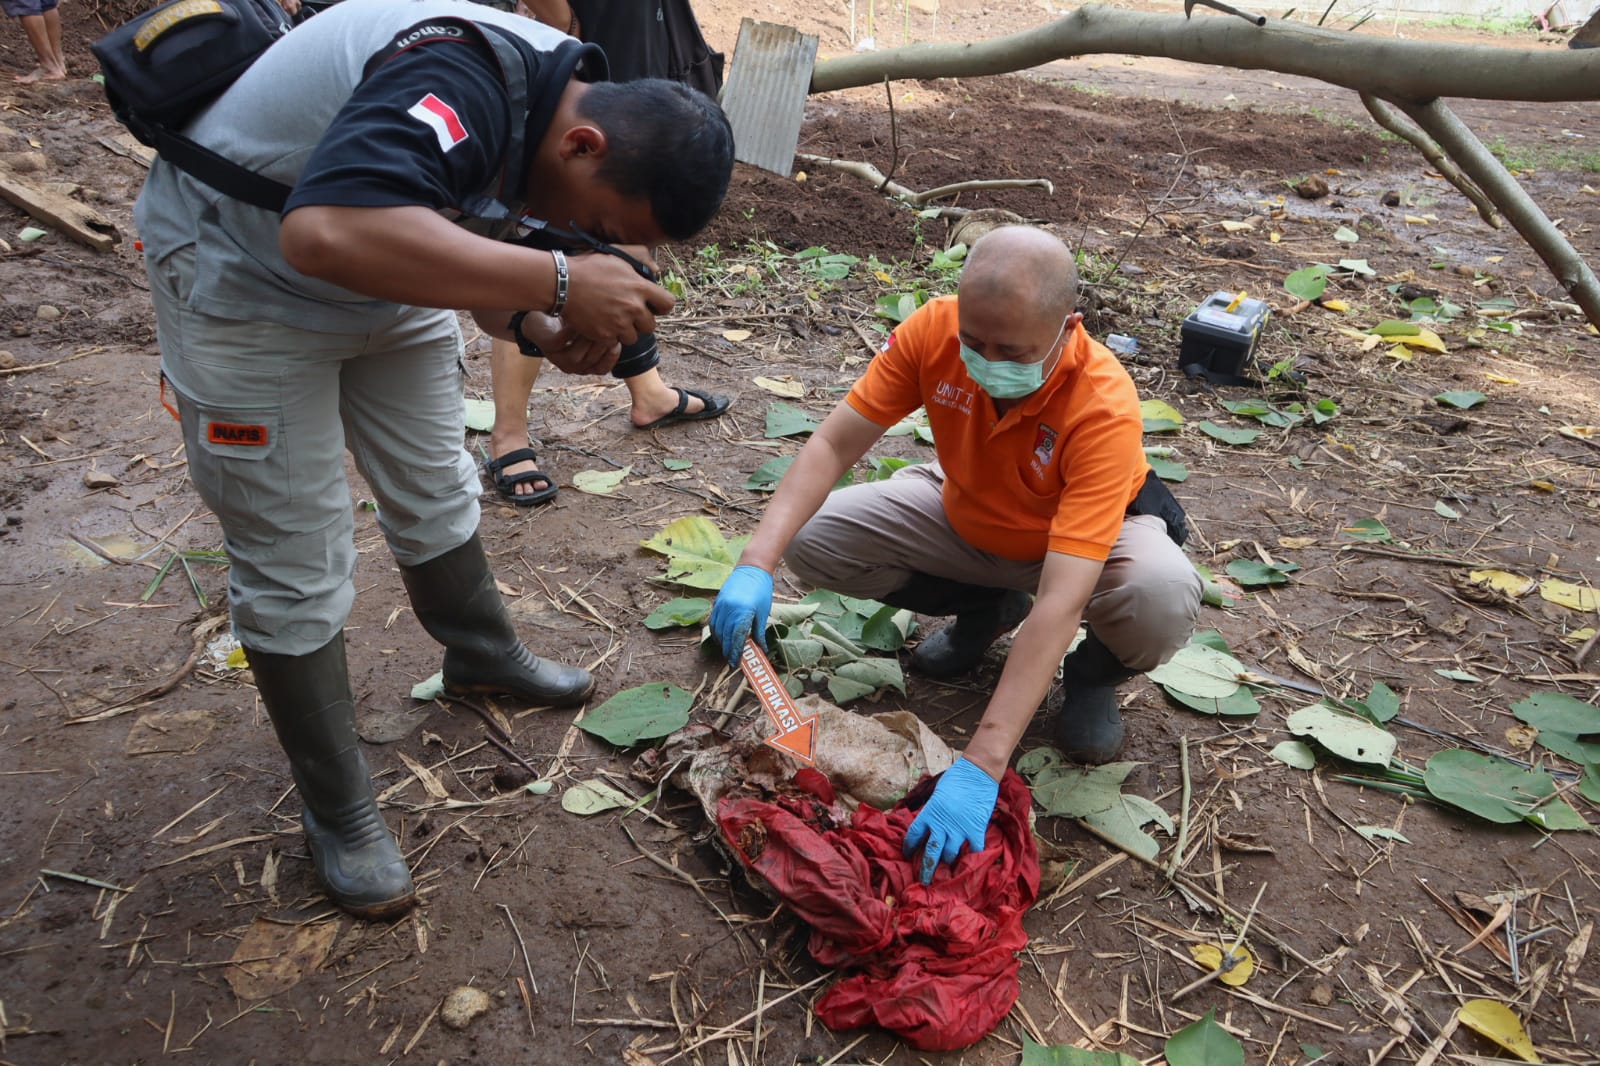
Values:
[(1497, 790), (1382, 702), (768, 474), (1205, 1043), (644, 712), (1570, 747), (1200, 671), (787, 420), (1160, 416), (1167, 470), (1253, 573), (697, 554), (1308, 283), (879, 673), (1590, 786), (1370, 530), (1076, 792), (1124, 822), (600, 482), (1295, 753), (1463, 399), (594, 797), (1229, 435), (1067, 1055), (1344, 734), (680, 612), (1240, 702), (1558, 712), (888, 629)]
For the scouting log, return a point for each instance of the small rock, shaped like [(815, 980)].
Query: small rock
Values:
[(1311, 188), (463, 1006), (7, 360), (1321, 994), (47, 313), (99, 479)]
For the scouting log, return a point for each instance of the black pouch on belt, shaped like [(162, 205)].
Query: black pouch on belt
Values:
[(1155, 498)]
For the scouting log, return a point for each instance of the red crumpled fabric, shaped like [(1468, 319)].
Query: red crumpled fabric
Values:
[(935, 964)]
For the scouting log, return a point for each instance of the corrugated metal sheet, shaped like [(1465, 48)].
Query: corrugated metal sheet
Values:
[(765, 94)]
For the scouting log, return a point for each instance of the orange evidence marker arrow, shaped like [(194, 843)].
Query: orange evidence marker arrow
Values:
[(797, 736)]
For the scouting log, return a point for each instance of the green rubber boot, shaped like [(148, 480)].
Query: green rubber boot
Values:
[(308, 699), (1088, 725), (983, 616), (457, 602)]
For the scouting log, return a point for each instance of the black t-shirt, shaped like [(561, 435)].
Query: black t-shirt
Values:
[(429, 127)]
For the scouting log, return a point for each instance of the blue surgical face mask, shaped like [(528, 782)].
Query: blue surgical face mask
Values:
[(1004, 379)]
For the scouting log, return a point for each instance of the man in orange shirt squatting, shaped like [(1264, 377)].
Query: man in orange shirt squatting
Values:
[(1040, 486)]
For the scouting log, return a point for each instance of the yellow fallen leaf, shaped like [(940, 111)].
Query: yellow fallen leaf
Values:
[(236, 659), (736, 335), (1576, 597), (1336, 305), (1543, 486), (1590, 189), (1422, 338), (1241, 964), (1274, 236), (1400, 352), (1236, 227), (883, 276), (1370, 342), (1416, 220), (1332, 173), (785, 386), (1501, 379), (1580, 636), (1355, 334), (1580, 432), (1495, 1021), (1521, 737), (1512, 585), (800, 175), (1160, 410), (1296, 543), (1494, 258)]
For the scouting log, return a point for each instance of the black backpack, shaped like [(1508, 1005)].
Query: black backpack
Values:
[(162, 67)]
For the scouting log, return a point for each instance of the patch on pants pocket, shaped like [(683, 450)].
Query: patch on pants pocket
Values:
[(239, 432)]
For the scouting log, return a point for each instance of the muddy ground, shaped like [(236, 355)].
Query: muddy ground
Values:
[(131, 759)]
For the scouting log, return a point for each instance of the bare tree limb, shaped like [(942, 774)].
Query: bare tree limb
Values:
[(1396, 123), (909, 196), (1389, 68), (1525, 216)]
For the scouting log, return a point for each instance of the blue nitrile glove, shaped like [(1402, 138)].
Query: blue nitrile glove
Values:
[(957, 813), (741, 610)]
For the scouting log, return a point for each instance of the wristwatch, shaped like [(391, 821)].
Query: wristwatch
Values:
[(524, 345)]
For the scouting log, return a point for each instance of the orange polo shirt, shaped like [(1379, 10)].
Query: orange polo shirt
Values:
[(1057, 473)]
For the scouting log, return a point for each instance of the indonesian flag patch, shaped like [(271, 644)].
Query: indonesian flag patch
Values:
[(441, 118)]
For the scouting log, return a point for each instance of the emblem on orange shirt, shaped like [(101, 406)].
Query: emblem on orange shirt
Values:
[(1044, 445)]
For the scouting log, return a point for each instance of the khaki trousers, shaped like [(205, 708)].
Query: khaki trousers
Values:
[(867, 540)]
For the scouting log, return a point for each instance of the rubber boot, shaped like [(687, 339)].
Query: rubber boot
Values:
[(308, 699), (457, 602), (983, 616), (1088, 726)]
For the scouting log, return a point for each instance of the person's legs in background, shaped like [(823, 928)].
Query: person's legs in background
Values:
[(654, 404), (41, 22)]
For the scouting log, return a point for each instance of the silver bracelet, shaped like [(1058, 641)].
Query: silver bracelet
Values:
[(562, 277)]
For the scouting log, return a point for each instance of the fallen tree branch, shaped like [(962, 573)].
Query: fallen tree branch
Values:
[(910, 197), (1390, 68), (1396, 123), (1525, 216)]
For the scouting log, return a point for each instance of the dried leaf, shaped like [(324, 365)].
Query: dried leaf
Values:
[(1565, 593), (282, 955), (430, 781), (600, 482), (1241, 964), (737, 336), (785, 386), (1495, 1021), (1513, 585)]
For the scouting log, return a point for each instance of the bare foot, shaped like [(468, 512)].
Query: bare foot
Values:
[(660, 402), (499, 447), (41, 74)]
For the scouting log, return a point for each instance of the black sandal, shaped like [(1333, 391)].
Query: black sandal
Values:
[(715, 407), (506, 484)]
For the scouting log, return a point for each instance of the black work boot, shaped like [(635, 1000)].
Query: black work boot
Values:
[(458, 604), (308, 699), (1088, 727), (983, 616)]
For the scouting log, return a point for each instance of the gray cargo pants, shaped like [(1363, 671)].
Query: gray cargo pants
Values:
[(867, 540), (268, 412)]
